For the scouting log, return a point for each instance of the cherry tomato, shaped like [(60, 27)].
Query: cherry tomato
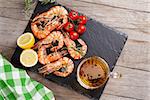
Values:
[(73, 15), (74, 35), (69, 27), (81, 29), (82, 20)]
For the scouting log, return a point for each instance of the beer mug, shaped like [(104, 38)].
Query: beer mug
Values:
[(93, 72)]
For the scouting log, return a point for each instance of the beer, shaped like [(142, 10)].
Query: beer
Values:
[(92, 72)]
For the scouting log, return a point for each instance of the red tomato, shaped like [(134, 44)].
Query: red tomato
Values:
[(73, 15), (81, 29), (69, 27), (82, 19), (74, 35)]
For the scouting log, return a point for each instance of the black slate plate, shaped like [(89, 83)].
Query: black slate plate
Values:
[(101, 40)]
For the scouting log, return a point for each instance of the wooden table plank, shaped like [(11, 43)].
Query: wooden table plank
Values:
[(7, 51), (134, 5), (133, 84), (136, 55), (129, 16)]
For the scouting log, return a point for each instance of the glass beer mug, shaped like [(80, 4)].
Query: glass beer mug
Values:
[(93, 72)]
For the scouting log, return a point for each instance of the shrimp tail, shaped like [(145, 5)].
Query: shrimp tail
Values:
[(37, 45), (48, 69), (55, 56)]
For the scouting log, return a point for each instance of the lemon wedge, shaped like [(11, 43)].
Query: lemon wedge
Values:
[(28, 58), (26, 41)]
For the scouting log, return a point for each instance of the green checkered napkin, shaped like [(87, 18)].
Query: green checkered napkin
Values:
[(15, 84)]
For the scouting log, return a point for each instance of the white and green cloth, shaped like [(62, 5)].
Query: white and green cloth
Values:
[(15, 84)]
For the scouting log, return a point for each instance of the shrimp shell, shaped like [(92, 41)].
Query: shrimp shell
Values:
[(68, 66), (76, 52), (56, 66), (51, 38), (44, 58), (46, 22)]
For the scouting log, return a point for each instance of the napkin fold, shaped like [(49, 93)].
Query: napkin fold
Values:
[(15, 84)]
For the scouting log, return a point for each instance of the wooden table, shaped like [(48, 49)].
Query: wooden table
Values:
[(129, 16)]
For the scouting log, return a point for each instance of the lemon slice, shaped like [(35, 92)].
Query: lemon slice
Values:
[(26, 41), (28, 58)]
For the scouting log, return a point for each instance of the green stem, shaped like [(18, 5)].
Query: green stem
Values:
[(71, 21)]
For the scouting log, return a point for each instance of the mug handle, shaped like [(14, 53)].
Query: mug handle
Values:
[(115, 75)]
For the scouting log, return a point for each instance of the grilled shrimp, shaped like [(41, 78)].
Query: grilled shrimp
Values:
[(66, 69), (39, 28), (76, 52), (64, 64), (51, 67), (46, 22), (57, 37), (52, 38), (44, 58)]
